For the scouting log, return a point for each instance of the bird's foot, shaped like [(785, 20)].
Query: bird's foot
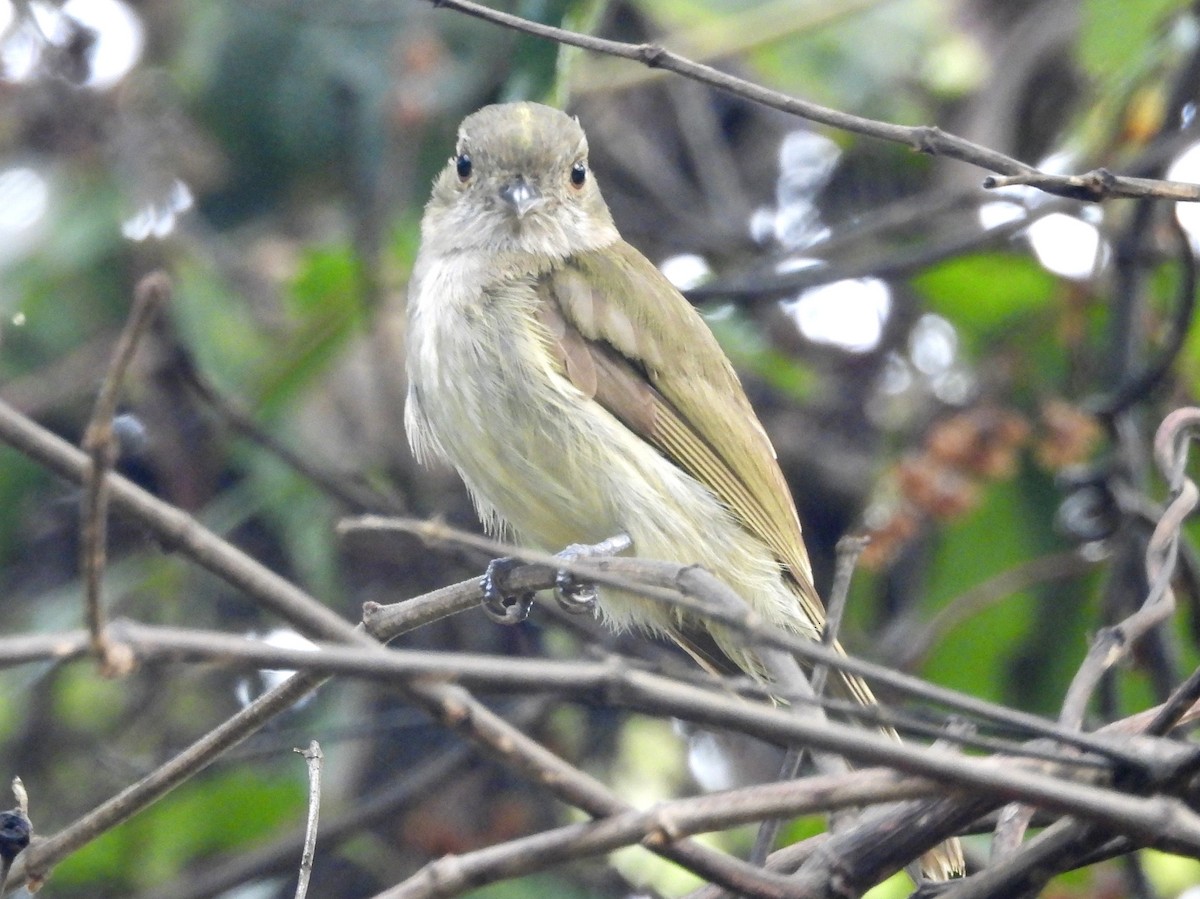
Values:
[(574, 595), (577, 596), (498, 603)]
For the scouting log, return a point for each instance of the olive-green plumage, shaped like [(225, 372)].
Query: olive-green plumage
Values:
[(580, 395)]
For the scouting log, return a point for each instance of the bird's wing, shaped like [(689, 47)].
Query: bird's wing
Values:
[(610, 315)]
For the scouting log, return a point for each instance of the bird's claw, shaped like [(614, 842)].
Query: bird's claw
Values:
[(498, 604), (574, 596)]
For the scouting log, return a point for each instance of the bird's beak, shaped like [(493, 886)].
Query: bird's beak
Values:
[(521, 196)]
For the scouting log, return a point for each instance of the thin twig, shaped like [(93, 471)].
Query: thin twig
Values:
[(314, 759), (671, 820), (450, 703), (1096, 185), (585, 680), (662, 696), (152, 292), (1113, 644), (849, 549), (644, 691)]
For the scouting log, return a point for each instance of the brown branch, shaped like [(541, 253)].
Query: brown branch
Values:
[(1113, 644), (997, 780), (660, 825), (152, 292), (1099, 184), (1093, 186), (584, 680), (853, 857), (849, 549), (460, 710)]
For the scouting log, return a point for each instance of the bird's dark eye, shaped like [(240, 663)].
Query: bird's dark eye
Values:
[(578, 174), (462, 165)]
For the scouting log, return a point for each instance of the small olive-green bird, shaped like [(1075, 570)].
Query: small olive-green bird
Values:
[(579, 395)]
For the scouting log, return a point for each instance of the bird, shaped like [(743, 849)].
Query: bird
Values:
[(579, 394)]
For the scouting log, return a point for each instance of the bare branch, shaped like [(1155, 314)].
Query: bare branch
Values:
[(664, 823), (99, 442), (1096, 185), (1113, 644), (314, 759)]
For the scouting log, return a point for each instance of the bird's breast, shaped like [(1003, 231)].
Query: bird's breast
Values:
[(534, 451)]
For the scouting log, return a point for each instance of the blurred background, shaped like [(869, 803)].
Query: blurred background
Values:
[(958, 372)]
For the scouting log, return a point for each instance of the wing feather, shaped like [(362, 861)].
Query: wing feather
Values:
[(609, 347), (693, 410)]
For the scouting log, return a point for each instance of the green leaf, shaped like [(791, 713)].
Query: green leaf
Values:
[(984, 292), (1115, 33), (228, 812), (325, 302), (975, 657), (329, 278)]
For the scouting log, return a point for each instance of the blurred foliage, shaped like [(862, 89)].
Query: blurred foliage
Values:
[(1114, 36), (155, 846), (987, 295), (306, 138)]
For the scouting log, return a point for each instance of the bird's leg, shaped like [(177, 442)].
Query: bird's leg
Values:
[(498, 603), (577, 596)]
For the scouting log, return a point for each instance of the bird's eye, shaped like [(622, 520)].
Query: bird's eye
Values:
[(462, 165), (578, 174)]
